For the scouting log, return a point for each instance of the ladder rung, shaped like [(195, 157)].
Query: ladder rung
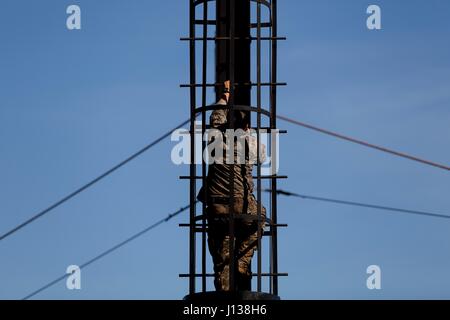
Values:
[(262, 128), (186, 275), (245, 84), (255, 177), (263, 25), (229, 38), (209, 22)]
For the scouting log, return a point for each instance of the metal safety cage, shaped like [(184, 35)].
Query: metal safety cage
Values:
[(233, 24)]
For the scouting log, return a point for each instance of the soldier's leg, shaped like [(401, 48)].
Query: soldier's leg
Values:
[(218, 244), (218, 247), (248, 241)]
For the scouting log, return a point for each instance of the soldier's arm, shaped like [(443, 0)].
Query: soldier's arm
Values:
[(226, 94), (219, 117)]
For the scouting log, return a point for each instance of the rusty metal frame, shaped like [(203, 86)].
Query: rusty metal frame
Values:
[(197, 222)]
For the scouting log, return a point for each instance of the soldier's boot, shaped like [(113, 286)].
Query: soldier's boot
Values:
[(222, 267), (222, 282), (244, 276), (244, 282)]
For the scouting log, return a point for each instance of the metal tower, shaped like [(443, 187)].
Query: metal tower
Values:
[(241, 29)]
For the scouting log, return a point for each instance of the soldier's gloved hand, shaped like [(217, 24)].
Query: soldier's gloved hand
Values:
[(226, 90), (227, 85)]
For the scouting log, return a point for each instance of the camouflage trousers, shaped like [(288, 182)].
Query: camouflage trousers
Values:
[(246, 240)]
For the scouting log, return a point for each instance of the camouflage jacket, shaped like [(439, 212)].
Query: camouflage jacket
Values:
[(219, 174)]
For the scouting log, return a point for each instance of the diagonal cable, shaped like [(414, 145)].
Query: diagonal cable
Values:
[(360, 204), (109, 251), (91, 183), (364, 143)]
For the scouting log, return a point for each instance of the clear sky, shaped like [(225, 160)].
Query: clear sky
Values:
[(75, 103)]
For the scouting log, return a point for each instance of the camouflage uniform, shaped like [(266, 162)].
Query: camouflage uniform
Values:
[(218, 202)]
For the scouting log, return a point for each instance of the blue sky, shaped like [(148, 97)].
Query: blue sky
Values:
[(75, 103)]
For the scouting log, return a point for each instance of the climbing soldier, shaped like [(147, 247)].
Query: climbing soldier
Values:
[(216, 195)]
